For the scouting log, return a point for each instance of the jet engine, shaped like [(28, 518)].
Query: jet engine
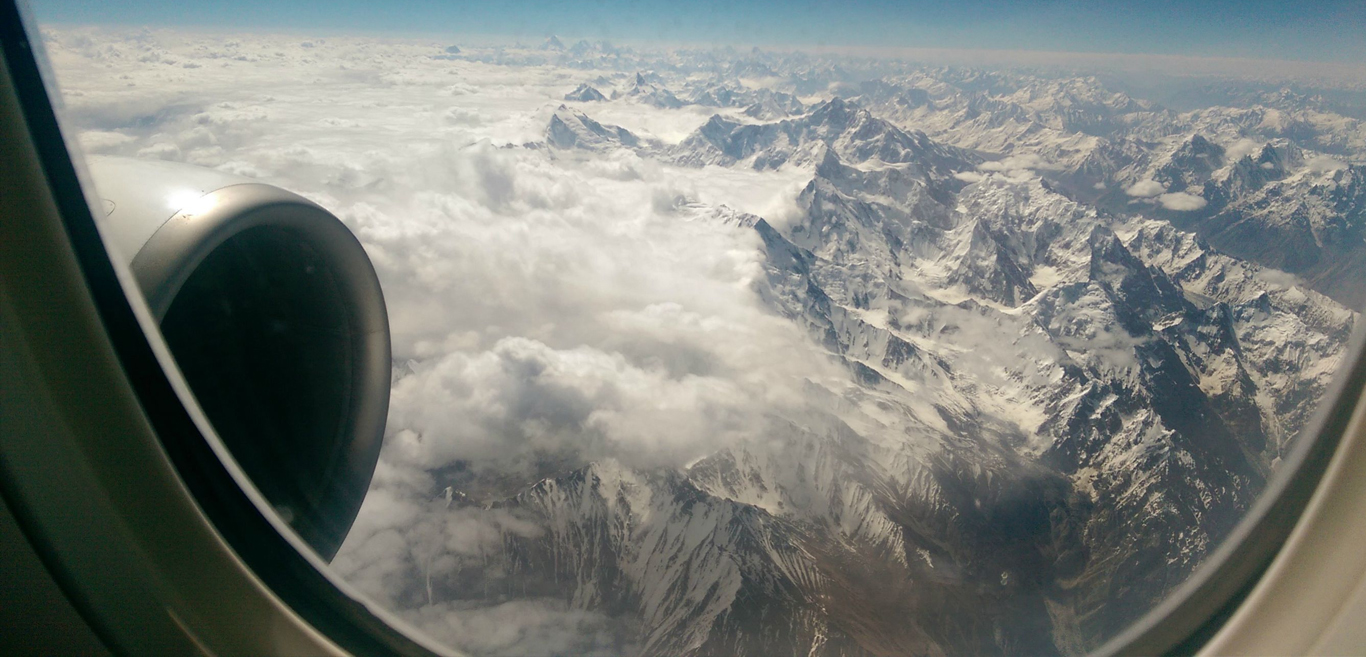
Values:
[(276, 320)]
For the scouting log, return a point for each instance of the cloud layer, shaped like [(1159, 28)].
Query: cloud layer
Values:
[(545, 310), (1145, 189), (1181, 201)]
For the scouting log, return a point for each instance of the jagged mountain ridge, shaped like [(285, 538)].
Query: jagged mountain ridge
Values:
[(571, 129), (1276, 169), (851, 131), (1058, 410)]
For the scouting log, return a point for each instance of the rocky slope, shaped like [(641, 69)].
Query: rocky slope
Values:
[(1073, 354)]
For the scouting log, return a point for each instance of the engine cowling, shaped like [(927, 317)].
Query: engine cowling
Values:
[(276, 319)]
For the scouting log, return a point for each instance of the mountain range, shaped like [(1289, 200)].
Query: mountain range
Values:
[(1080, 330)]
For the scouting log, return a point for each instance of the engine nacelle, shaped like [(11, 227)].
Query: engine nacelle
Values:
[(275, 317)]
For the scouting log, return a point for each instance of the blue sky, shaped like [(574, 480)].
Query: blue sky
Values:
[(1314, 31)]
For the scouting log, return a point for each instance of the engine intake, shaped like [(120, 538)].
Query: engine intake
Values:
[(277, 321)]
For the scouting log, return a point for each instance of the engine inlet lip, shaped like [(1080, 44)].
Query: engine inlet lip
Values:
[(177, 248)]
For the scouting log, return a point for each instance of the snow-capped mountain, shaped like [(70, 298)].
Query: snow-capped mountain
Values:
[(763, 104), (1078, 331), (648, 89), (585, 93), (572, 129), (852, 132), (1275, 182)]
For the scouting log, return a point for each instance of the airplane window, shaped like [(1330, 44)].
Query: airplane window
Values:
[(746, 329)]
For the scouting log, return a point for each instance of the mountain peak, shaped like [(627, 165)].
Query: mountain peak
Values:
[(829, 165), (584, 93), (648, 88), (1141, 293), (835, 110), (570, 128)]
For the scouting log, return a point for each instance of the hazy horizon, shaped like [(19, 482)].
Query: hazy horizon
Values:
[(1321, 32)]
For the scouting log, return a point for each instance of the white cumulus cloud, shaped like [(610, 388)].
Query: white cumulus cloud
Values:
[(1145, 188), (1181, 201), (1324, 163)]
